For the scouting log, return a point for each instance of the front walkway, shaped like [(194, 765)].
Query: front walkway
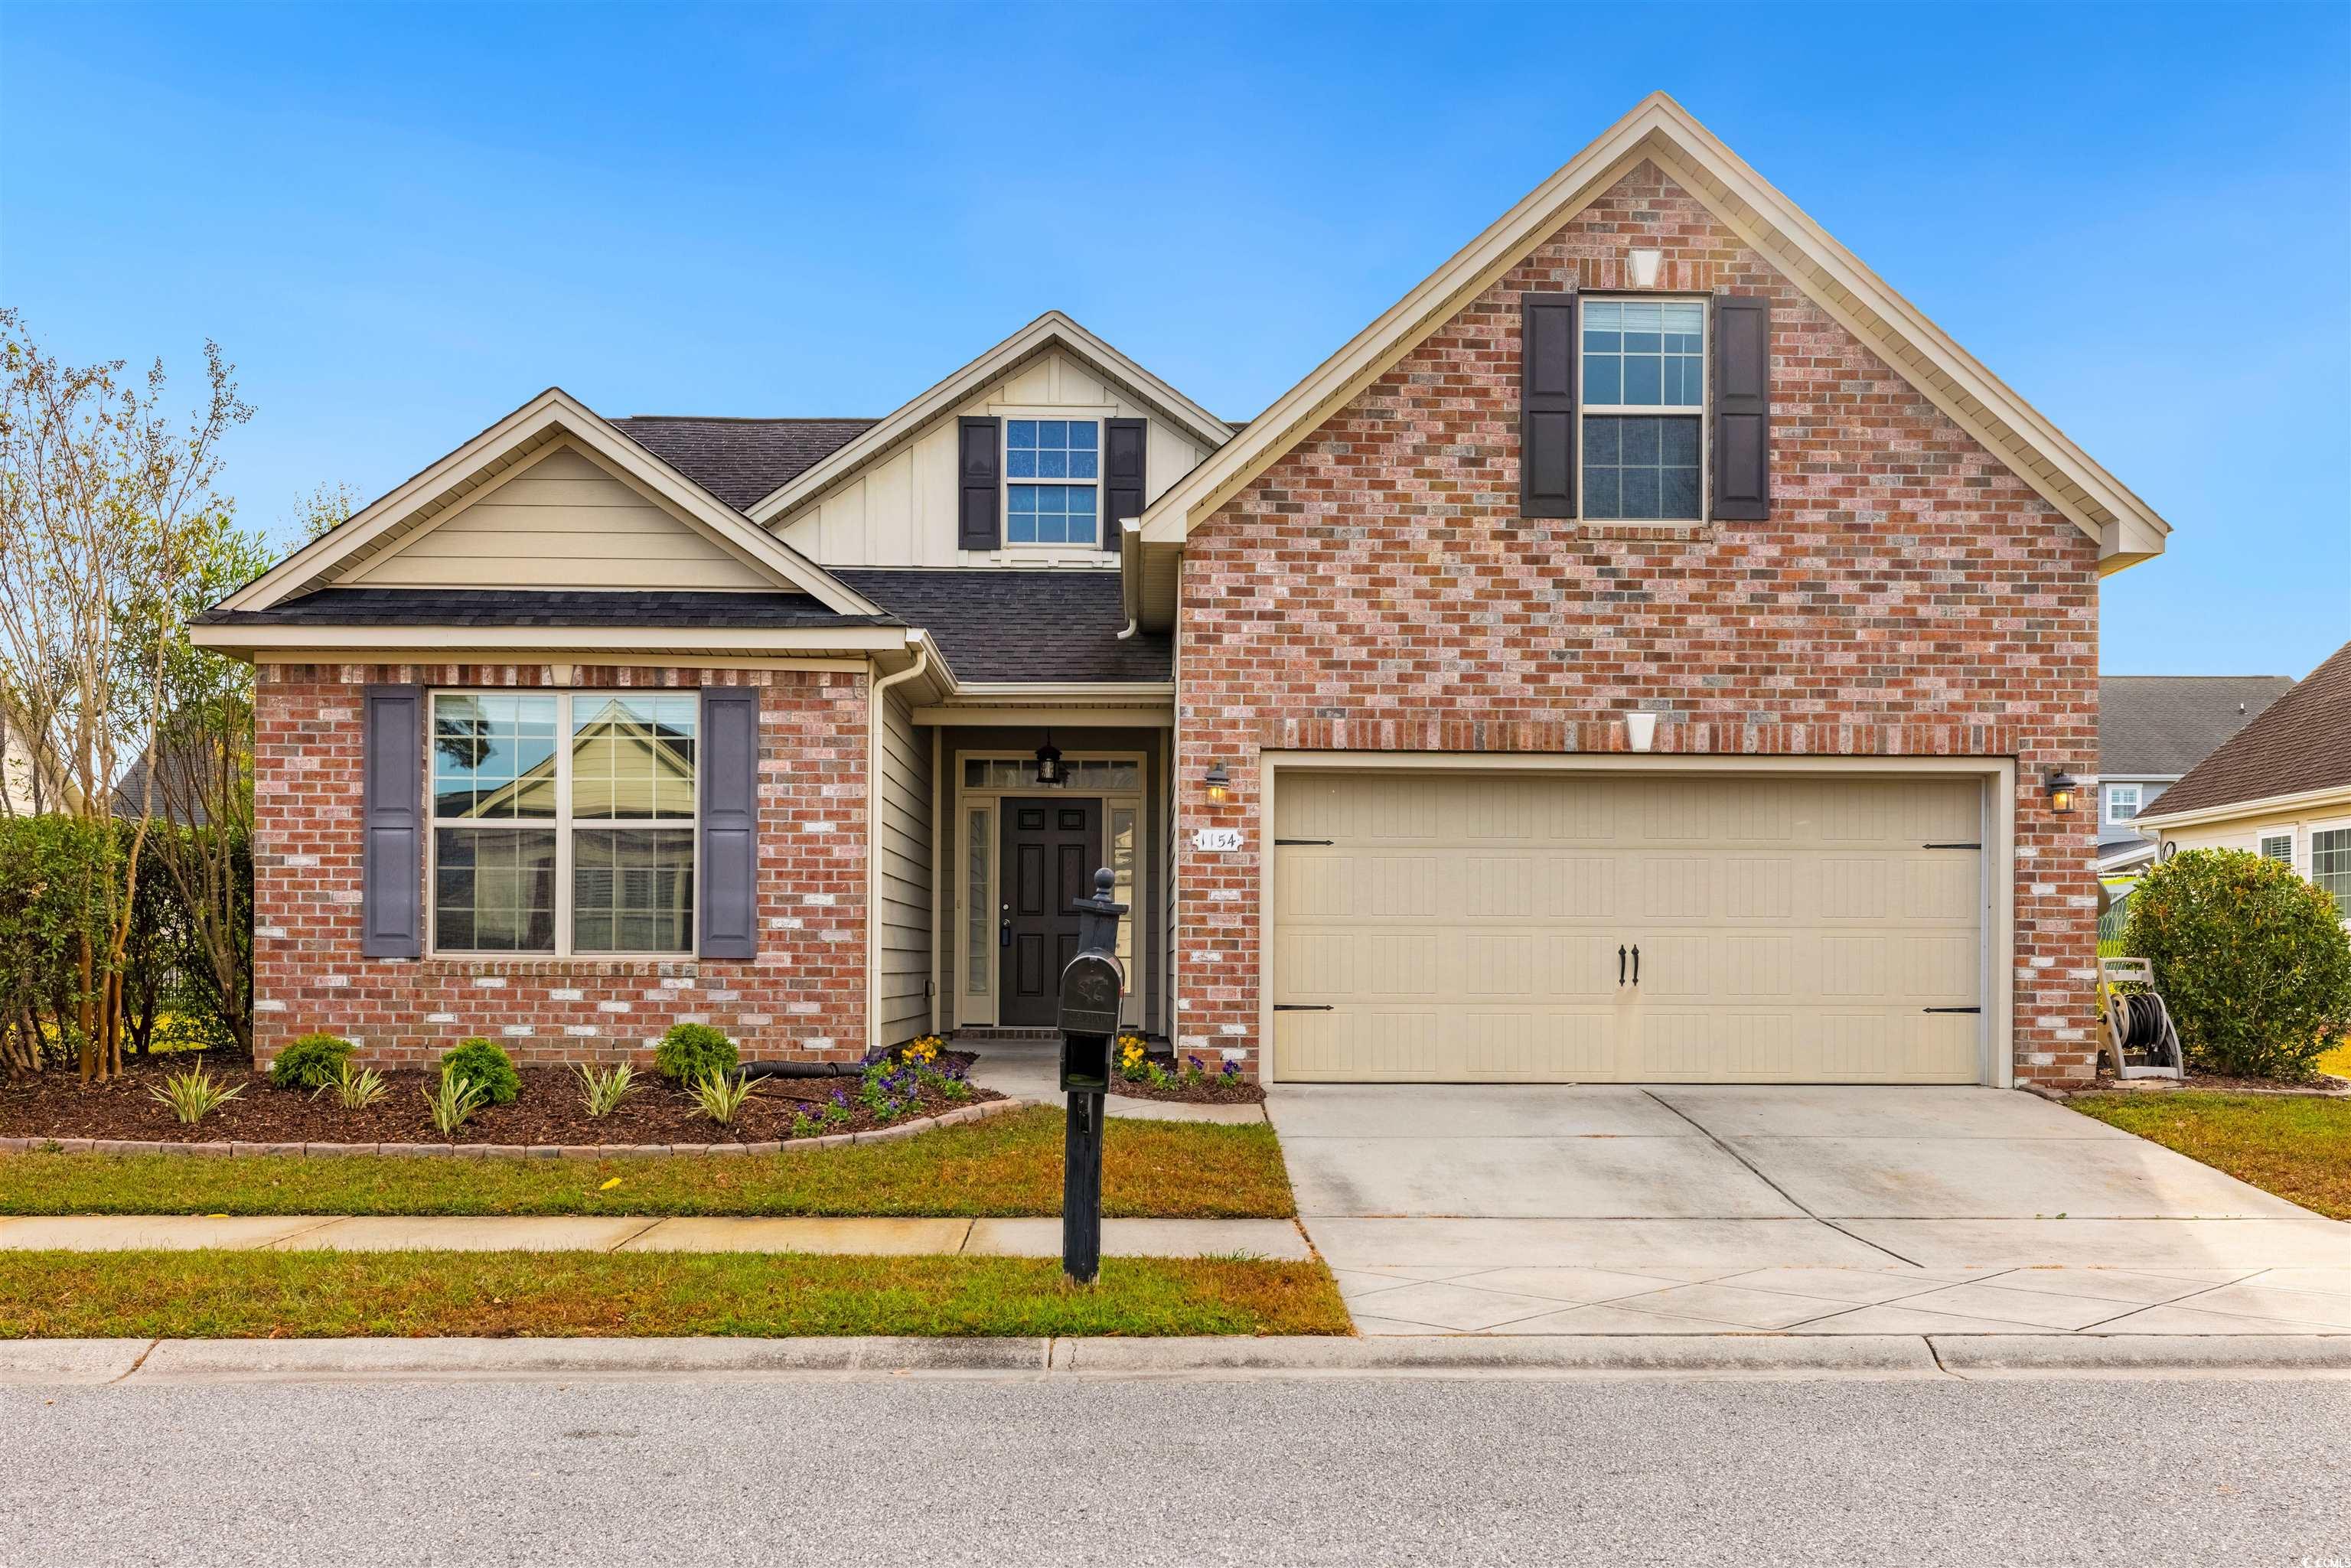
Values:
[(1268, 1239), (1031, 1070), (1614, 1209)]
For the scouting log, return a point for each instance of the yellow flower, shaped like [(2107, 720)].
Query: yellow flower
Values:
[(610, 1185)]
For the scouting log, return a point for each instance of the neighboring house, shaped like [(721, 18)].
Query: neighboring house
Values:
[(30, 781), (1354, 701), (2280, 787), (2151, 730)]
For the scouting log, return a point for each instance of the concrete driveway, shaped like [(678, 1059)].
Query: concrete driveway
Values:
[(1593, 1206)]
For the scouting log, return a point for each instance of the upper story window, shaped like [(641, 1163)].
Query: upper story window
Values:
[(563, 822), (1643, 364), (2122, 802), (1052, 469)]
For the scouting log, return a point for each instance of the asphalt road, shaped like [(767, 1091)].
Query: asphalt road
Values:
[(1264, 1472)]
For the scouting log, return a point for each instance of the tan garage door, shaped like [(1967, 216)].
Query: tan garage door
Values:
[(1458, 928)]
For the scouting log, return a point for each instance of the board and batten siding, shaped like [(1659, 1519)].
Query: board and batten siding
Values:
[(900, 510), (564, 521), (906, 846)]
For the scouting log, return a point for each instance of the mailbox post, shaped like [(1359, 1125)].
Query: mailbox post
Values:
[(1092, 986)]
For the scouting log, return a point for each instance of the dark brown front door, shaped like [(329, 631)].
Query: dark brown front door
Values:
[(1051, 851)]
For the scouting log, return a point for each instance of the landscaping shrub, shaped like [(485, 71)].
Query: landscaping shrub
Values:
[(312, 1061), (490, 1070), (691, 1053), (2252, 960)]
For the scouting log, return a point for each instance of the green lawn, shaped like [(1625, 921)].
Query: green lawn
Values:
[(246, 1295), (1005, 1165), (2296, 1147)]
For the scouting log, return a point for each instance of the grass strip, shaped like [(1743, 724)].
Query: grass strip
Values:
[(2296, 1147), (255, 1295), (1003, 1166)]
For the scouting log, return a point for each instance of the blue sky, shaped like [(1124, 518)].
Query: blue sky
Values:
[(402, 223)]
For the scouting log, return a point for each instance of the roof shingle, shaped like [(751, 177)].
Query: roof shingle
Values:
[(1016, 625), (2162, 725), (740, 460), (2300, 743)]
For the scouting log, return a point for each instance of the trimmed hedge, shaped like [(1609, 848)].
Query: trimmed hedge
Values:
[(2252, 960), (691, 1053), (485, 1065)]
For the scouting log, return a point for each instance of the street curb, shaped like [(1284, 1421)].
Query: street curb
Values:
[(978, 1112), (65, 1362)]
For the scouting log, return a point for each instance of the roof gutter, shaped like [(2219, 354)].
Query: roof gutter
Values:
[(2253, 805)]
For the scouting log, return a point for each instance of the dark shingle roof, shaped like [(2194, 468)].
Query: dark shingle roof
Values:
[(540, 607), (2300, 742), (2166, 725), (740, 460), (1014, 625)]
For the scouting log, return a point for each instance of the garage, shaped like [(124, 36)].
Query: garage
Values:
[(1593, 926)]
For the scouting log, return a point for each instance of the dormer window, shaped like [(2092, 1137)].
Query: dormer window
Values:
[(1052, 470)]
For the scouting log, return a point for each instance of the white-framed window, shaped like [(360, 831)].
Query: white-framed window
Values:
[(2275, 844), (563, 822), (2330, 864), (1641, 374), (2122, 802), (1052, 477)]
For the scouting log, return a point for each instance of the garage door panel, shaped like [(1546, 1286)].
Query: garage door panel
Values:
[(1465, 927)]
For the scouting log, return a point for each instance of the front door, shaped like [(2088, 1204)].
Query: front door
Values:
[(1051, 848)]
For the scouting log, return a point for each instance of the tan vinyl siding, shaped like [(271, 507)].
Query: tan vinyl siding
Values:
[(563, 522), (900, 510), (906, 847)]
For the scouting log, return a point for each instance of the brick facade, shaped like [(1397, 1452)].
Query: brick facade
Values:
[(1376, 589), (803, 997)]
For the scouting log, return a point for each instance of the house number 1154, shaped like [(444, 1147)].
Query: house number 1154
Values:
[(1215, 841)]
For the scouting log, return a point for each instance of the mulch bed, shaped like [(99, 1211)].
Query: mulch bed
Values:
[(546, 1112), (1213, 1090), (2220, 1083)]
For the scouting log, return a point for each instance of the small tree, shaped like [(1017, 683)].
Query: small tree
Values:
[(2252, 960)]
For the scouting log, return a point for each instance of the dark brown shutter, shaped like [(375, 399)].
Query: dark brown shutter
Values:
[(978, 448), (1124, 441), (1547, 405), (1742, 408), (391, 816), (729, 916)]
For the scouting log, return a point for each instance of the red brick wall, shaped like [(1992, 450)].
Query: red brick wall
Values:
[(1377, 590), (803, 995)]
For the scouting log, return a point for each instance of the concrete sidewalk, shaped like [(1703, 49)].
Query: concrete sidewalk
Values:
[(1019, 1238), (100, 1362)]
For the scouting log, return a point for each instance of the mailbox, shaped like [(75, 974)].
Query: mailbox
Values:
[(1091, 987)]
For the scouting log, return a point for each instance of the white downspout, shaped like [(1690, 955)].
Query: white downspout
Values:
[(881, 690)]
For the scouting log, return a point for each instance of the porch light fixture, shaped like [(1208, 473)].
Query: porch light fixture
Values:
[(2063, 790), (1219, 782), (1049, 763)]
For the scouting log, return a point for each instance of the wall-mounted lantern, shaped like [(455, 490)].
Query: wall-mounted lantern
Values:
[(1049, 771), (1219, 782), (2065, 791)]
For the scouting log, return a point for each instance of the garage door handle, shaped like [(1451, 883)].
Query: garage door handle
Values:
[(1950, 1009), (1620, 963), (1301, 1007), (1636, 963)]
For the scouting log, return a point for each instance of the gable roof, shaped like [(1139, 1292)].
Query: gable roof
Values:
[(2299, 745), (740, 460), (2162, 725), (1010, 626), (552, 417), (1052, 329), (1661, 130)]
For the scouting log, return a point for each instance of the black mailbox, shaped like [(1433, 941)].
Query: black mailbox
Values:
[(1091, 987)]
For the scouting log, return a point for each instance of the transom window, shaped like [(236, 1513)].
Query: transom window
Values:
[(1052, 467), (1639, 357), (2122, 802), (2330, 864), (583, 847)]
